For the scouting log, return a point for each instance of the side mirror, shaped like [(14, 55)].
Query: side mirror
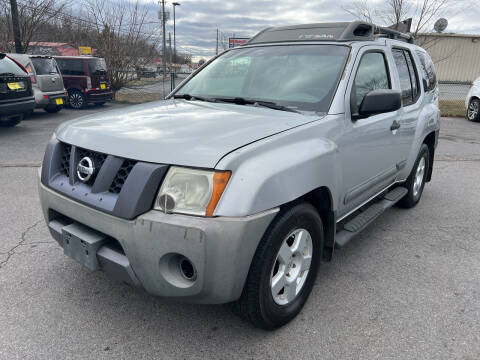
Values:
[(379, 102)]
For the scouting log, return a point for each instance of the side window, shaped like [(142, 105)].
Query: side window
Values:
[(413, 75), (372, 74), (428, 68), (71, 66), (404, 74)]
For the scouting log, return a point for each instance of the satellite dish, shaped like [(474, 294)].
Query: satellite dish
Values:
[(440, 25)]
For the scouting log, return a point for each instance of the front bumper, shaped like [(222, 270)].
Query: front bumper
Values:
[(221, 249)]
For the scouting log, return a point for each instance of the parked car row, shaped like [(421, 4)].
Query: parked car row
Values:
[(42, 81)]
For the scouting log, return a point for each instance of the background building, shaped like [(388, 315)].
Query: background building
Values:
[(456, 56)]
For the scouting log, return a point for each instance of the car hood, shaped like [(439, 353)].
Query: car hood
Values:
[(180, 132)]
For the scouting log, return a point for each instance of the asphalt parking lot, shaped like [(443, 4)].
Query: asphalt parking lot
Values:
[(407, 288)]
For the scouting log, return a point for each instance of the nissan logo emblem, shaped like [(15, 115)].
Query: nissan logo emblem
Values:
[(85, 169)]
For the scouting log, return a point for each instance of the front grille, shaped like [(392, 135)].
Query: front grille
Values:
[(97, 158), (121, 176), (65, 161)]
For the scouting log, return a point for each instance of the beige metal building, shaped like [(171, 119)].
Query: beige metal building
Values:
[(456, 56)]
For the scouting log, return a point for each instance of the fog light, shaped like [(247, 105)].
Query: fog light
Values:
[(187, 269)]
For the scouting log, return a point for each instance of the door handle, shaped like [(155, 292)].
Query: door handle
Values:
[(395, 125)]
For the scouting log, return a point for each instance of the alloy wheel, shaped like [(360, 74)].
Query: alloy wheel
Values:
[(76, 100), (291, 266), (419, 175), (473, 110)]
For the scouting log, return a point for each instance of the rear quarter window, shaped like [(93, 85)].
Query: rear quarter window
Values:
[(71, 66), (44, 66), (8, 66), (428, 70)]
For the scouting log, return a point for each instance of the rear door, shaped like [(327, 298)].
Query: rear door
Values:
[(98, 73), (14, 82), (73, 73), (411, 104), (47, 74)]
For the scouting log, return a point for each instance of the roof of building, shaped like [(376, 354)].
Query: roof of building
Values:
[(450, 35)]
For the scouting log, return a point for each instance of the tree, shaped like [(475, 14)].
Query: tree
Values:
[(121, 35), (33, 15), (389, 12)]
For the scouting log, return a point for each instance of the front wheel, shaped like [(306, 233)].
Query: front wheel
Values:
[(416, 180), (473, 111), (283, 269)]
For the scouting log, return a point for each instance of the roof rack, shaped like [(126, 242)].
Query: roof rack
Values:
[(393, 34), (341, 31)]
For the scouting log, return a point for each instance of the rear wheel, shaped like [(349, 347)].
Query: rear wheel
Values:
[(283, 269), (76, 99), (416, 180), (53, 109), (473, 111), (11, 120)]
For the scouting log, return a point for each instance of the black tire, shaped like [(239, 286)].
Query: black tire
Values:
[(76, 99), (413, 197), (11, 121), (473, 111), (53, 109), (257, 304)]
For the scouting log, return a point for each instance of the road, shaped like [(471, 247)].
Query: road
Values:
[(407, 288)]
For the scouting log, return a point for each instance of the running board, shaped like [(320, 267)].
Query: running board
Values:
[(360, 222)]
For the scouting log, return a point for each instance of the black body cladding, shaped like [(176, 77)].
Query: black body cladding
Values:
[(121, 187)]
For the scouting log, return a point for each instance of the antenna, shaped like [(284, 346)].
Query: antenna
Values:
[(440, 25)]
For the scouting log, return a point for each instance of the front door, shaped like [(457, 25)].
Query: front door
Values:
[(369, 146)]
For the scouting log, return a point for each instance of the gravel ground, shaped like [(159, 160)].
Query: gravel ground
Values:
[(407, 288)]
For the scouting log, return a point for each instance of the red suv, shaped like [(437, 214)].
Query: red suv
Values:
[(86, 80)]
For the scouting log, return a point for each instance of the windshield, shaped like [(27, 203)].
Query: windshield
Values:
[(7, 66), (97, 66), (44, 66), (301, 77)]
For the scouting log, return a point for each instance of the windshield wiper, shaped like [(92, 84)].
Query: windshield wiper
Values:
[(193, 97), (8, 74), (268, 104)]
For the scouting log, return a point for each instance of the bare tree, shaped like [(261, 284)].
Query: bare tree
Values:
[(121, 35), (423, 12), (33, 15)]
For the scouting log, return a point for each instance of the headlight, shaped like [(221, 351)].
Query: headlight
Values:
[(191, 191)]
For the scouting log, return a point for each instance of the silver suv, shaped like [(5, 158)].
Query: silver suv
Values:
[(252, 171), (47, 82)]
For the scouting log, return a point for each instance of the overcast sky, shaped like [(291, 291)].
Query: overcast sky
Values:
[(197, 20)]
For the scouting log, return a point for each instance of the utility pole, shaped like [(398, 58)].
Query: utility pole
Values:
[(16, 27), (174, 34), (164, 45), (216, 52), (170, 45)]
